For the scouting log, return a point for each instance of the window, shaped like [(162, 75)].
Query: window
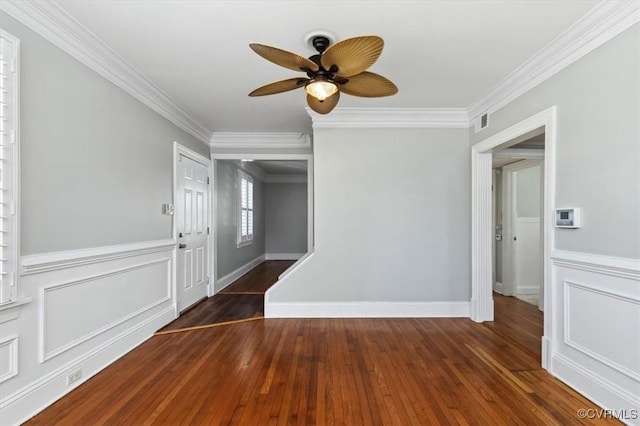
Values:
[(9, 172), (245, 209)]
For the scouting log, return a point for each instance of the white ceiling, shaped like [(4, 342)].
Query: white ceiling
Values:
[(440, 54)]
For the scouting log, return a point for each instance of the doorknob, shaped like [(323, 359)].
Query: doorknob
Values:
[(514, 238), (181, 246)]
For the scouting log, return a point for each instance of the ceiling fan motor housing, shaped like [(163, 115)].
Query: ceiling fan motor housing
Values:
[(320, 43)]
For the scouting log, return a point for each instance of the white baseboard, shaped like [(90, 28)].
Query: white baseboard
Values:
[(527, 290), (500, 288), (225, 281), (30, 400), (596, 388), (283, 256), (365, 309)]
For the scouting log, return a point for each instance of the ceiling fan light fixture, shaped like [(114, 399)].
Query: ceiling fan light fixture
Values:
[(320, 88)]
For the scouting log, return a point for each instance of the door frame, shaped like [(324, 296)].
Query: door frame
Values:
[(481, 221), (179, 149), (508, 219)]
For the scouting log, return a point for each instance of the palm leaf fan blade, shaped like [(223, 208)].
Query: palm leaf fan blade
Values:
[(279, 87), (283, 58), (352, 56), (368, 85)]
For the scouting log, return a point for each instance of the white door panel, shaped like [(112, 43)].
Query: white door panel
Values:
[(527, 256), (191, 212)]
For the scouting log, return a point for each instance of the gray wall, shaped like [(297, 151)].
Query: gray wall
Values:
[(229, 256), (598, 144), (392, 218), (286, 217), (95, 162)]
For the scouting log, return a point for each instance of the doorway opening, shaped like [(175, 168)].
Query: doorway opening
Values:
[(262, 225), (517, 204), (483, 226)]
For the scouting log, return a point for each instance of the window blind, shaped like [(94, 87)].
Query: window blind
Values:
[(8, 167)]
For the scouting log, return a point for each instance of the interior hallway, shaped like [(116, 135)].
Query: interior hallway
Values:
[(242, 300)]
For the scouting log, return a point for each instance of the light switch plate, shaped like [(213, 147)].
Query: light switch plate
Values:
[(167, 209)]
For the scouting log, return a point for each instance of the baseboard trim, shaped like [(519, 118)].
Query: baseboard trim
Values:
[(30, 400), (283, 256), (594, 387), (228, 279), (527, 290), (366, 309)]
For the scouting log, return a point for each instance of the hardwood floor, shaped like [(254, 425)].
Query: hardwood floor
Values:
[(325, 372), (260, 278), (518, 321), (244, 299)]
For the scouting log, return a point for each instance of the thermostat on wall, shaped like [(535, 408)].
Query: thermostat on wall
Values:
[(568, 218)]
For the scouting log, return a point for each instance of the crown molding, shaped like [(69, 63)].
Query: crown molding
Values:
[(54, 24), (391, 117), (605, 21), (272, 140)]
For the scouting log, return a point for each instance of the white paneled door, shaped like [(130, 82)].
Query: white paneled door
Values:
[(191, 217)]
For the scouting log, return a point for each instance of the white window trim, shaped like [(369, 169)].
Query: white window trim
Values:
[(242, 240), (14, 243)]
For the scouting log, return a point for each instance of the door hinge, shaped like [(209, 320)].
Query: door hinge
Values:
[(207, 230), (207, 180)]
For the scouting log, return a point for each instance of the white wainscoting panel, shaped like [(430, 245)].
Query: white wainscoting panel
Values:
[(88, 308), (140, 289), (8, 358), (590, 332), (596, 342)]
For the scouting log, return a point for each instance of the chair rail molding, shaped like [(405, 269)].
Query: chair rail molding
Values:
[(47, 262)]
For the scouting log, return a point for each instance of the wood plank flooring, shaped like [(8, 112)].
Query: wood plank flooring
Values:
[(325, 372), (244, 299), (518, 321)]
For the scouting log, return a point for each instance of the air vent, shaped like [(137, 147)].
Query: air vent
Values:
[(484, 120)]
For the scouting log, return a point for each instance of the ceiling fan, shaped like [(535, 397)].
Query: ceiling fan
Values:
[(334, 69)]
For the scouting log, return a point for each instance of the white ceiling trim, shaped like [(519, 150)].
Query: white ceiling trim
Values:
[(273, 140), (601, 24), (55, 25), (391, 117)]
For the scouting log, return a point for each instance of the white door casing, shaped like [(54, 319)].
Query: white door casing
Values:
[(191, 227)]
